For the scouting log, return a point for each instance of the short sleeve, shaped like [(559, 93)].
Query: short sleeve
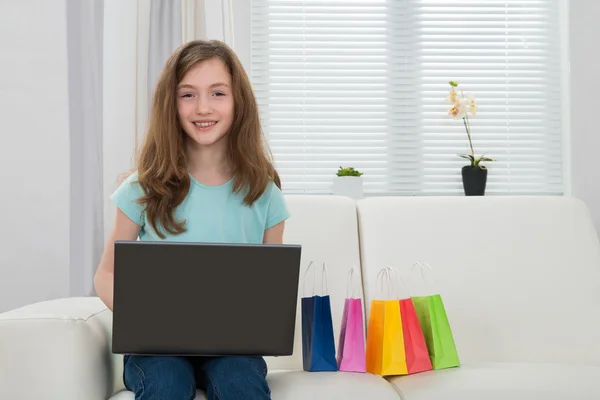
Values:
[(126, 198), (277, 210)]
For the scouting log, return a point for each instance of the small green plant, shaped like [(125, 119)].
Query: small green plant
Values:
[(348, 171)]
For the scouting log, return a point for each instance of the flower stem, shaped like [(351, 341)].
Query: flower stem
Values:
[(468, 128), (469, 135)]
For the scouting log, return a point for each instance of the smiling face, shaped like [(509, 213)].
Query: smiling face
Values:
[(205, 103)]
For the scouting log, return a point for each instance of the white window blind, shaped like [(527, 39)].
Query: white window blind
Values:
[(363, 83)]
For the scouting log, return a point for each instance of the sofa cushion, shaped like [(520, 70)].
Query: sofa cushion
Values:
[(519, 275), (501, 381), (301, 385)]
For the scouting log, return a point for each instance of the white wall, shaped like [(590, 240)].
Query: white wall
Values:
[(585, 103), (34, 152)]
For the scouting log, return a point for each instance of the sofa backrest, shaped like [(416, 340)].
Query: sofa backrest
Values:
[(326, 227), (519, 276)]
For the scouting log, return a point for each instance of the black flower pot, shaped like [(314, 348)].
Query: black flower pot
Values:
[(474, 180)]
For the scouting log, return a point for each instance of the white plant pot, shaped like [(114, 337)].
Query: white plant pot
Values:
[(350, 186)]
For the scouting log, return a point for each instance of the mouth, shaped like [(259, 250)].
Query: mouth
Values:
[(204, 125)]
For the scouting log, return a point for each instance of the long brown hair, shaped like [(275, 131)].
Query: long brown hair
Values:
[(162, 161)]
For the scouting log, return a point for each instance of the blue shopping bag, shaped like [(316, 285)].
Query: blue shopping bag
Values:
[(318, 344)]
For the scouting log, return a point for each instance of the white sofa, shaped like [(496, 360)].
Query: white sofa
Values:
[(520, 278)]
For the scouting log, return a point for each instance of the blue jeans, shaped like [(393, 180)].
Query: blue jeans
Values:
[(176, 378)]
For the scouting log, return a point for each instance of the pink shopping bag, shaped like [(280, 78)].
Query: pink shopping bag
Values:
[(351, 347)]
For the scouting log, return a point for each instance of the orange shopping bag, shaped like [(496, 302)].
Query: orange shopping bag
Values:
[(385, 352)]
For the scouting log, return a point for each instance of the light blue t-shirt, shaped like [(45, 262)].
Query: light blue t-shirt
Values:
[(212, 213)]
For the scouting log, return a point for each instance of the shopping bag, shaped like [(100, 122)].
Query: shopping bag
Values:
[(417, 355), (385, 353), (318, 344), (351, 344), (435, 326)]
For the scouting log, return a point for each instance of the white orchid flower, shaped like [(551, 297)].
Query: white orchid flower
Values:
[(452, 97), (472, 105), (459, 109)]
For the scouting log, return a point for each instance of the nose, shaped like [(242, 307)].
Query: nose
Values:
[(203, 106)]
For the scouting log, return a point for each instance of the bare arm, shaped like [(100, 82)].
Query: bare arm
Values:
[(274, 235), (124, 229)]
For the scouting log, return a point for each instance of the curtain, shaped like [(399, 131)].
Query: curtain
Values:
[(209, 19), (165, 35), (84, 48)]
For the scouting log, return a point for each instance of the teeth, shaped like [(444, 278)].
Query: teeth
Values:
[(204, 124)]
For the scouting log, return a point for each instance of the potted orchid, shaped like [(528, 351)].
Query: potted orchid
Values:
[(348, 182), (474, 175)]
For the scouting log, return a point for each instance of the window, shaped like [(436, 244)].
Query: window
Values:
[(363, 83)]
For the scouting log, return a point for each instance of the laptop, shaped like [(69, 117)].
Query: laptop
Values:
[(205, 299)]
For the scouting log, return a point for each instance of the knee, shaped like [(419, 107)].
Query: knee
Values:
[(160, 377), (170, 384), (230, 366), (239, 374)]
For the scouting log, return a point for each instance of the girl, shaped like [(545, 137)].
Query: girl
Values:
[(204, 175)]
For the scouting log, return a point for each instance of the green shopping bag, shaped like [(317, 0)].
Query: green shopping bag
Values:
[(436, 329)]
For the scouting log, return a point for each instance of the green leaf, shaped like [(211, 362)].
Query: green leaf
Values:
[(453, 83), (348, 171), (468, 157)]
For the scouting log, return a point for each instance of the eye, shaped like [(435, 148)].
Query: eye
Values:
[(186, 95), (218, 94)]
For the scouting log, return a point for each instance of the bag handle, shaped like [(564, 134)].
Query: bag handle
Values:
[(398, 278), (324, 287), (384, 275), (352, 283), (428, 286)]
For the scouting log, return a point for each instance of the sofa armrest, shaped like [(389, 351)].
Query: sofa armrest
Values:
[(56, 349)]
